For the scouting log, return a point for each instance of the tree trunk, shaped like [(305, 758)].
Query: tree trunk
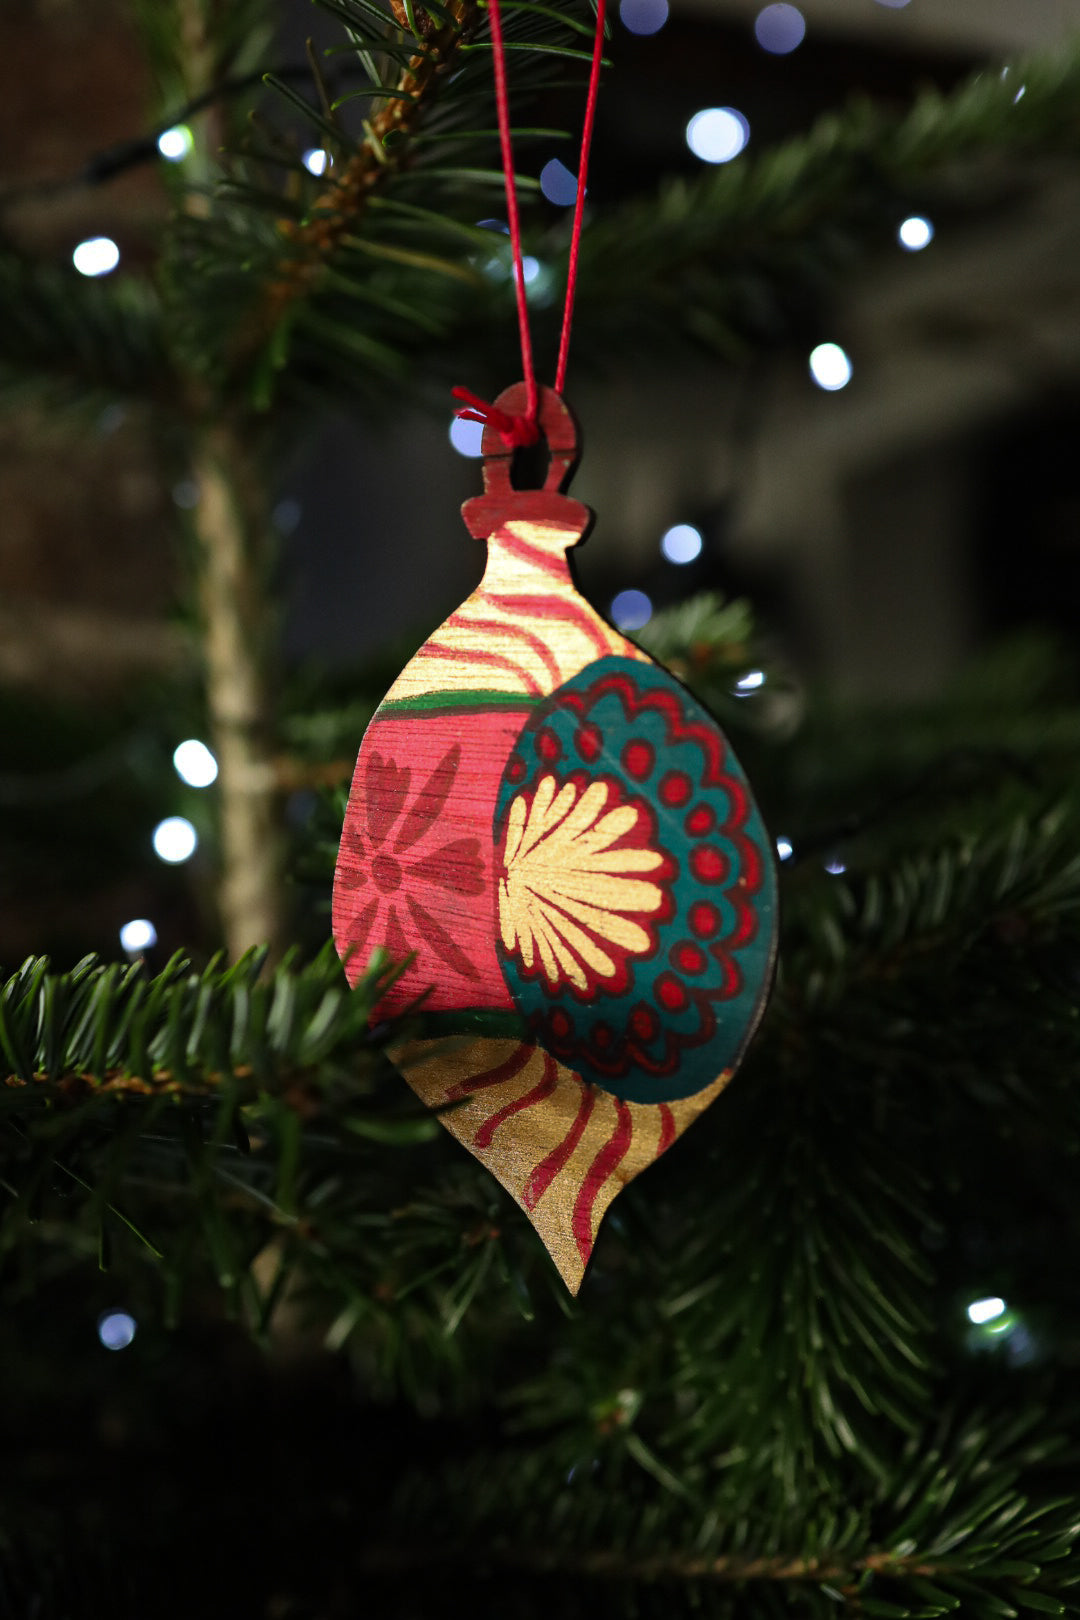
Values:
[(232, 531)]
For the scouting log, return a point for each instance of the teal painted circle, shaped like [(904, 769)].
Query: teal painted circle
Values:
[(639, 949)]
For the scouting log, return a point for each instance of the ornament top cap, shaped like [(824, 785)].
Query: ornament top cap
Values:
[(558, 431), (501, 500)]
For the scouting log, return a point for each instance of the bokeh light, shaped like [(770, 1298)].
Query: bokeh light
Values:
[(643, 16), (175, 840), (138, 935), (830, 367), (915, 233), (466, 437), (717, 134), (195, 764), (780, 29), (681, 543), (176, 143), (558, 183), (986, 1310), (97, 256), (116, 1329), (630, 610)]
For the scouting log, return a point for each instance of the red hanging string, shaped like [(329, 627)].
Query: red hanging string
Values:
[(579, 201), (502, 109), (521, 430)]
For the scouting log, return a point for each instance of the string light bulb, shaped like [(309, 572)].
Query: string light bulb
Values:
[(97, 256), (175, 840), (138, 935), (194, 763), (681, 544), (830, 367), (717, 134), (915, 234), (986, 1310), (175, 144)]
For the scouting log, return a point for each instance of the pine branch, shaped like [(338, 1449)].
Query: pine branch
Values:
[(727, 261), (102, 1029), (337, 212), (730, 260), (743, 1397), (285, 276), (969, 1523)]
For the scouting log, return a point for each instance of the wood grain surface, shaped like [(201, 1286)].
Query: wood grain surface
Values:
[(557, 838)]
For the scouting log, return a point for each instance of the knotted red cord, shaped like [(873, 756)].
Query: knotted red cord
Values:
[(522, 430), (513, 430)]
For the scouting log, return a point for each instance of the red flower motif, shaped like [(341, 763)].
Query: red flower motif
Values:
[(384, 873)]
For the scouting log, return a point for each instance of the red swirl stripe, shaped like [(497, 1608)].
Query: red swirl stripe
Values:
[(553, 607), (512, 545), (476, 655), (546, 1171), (667, 1129), (492, 1077), (501, 627), (539, 1092), (603, 1166)]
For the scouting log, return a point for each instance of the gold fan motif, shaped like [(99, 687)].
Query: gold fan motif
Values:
[(566, 891)]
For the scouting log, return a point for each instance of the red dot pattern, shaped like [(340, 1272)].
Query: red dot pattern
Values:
[(644, 1022), (704, 919), (689, 958), (675, 788), (589, 743), (708, 865), (548, 746), (638, 758), (662, 1006), (701, 820), (670, 993)]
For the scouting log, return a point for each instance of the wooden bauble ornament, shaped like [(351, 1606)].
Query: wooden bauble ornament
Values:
[(560, 836)]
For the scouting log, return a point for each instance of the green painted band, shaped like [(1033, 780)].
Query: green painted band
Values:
[(449, 702)]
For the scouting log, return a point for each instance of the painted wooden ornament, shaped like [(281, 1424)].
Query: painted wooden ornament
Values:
[(561, 839)]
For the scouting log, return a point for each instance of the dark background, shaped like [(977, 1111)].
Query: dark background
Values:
[(885, 533)]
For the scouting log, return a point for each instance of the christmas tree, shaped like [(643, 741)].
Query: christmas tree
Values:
[(275, 1345)]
